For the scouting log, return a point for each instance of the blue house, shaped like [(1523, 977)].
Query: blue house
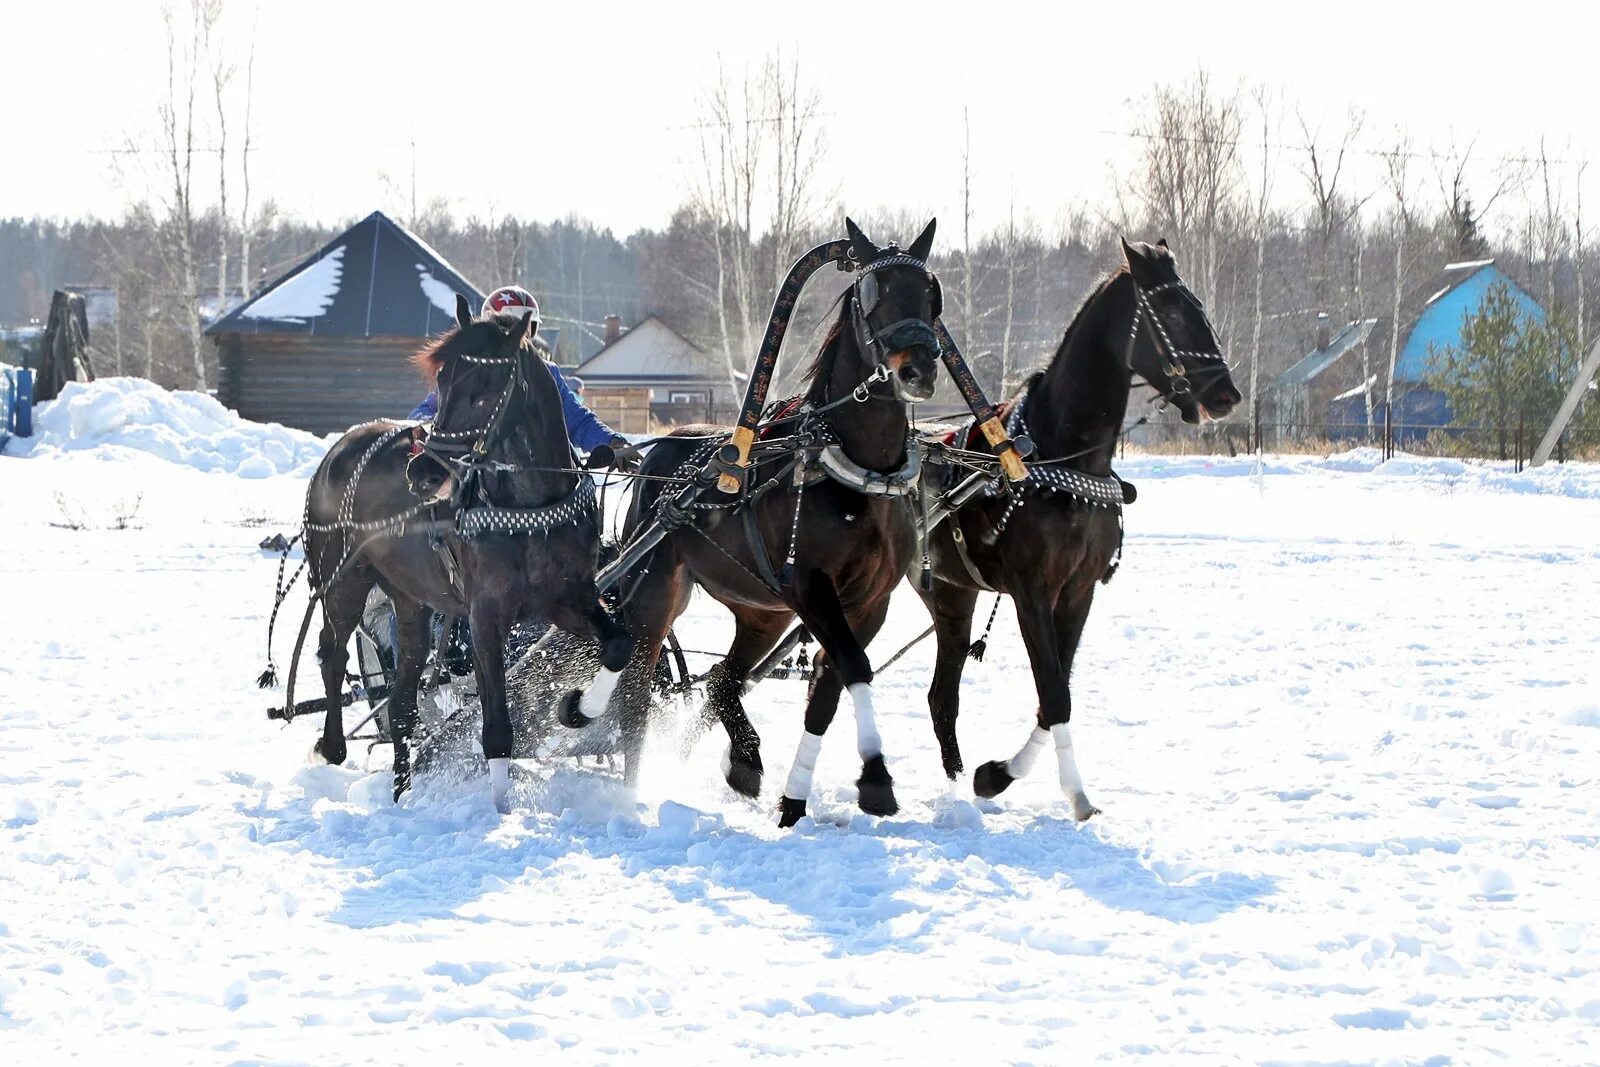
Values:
[(1431, 319)]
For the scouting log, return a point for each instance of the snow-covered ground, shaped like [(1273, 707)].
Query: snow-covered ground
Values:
[(1342, 718)]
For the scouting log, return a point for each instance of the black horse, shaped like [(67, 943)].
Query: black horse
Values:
[(845, 536), (518, 538), (1050, 552)]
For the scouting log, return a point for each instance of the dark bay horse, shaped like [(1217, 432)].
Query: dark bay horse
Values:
[(1049, 553), (518, 538), (849, 540)]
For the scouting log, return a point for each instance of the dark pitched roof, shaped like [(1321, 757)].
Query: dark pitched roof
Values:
[(377, 279)]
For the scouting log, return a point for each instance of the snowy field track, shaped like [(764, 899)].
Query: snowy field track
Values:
[(1342, 719)]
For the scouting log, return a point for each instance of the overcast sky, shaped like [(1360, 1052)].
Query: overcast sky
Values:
[(589, 107)]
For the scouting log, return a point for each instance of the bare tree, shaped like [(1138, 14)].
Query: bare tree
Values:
[(1188, 173), (1463, 216), (1397, 176), (1322, 166), (222, 72), (800, 148), (970, 279), (245, 281), (762, 145), (177, 129), (1264, 194), (1578, 249), (1549, 227)]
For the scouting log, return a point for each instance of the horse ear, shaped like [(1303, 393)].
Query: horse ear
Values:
[(924, 242), (864, 249), (1129, 253), (1163, 244), (519, 332), (463, 312)]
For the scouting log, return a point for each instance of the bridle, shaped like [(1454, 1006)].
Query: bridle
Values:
[(1171, 356), (467, 451), (902, 333)]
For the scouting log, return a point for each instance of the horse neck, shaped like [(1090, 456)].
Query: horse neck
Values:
[(1076, 406), (872, 432), (535, 443)]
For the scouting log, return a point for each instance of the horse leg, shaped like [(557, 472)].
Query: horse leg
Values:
[(821, 705), (1045, 640), (1070, 615), (342, 604), (951, 607), (817, 601), (411, 653), (490, 622), (755, 634), (580, 707), (648, 612)]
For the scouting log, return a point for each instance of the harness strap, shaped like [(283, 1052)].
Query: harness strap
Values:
[(758, 551), (966, 559)]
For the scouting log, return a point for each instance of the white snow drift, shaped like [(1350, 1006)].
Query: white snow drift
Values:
[(111, 416), (1342, 720)]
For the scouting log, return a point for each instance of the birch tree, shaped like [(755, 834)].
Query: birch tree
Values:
[(1397, 177), (759, 162), (177, 131), (1263, 99)]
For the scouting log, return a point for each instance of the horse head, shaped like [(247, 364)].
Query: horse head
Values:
[(894, 304), (1173, 346), (476, 368)]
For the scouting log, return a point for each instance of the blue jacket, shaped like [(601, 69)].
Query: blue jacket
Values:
[(583, 428)]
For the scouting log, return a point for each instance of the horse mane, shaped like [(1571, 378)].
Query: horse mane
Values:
[(1104, 282), (431, 357), (820, 370), (1154, 253)]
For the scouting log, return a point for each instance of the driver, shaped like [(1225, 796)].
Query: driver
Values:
[(584, 428)]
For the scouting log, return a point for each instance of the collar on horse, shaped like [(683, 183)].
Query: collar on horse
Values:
[(480, 519), (1105, 492)]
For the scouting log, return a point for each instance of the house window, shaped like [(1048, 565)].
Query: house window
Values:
[(686, 398)]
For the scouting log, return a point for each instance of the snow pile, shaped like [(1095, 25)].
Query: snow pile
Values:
[(112, 416)]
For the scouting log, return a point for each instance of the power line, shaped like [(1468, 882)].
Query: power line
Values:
[(1381, 153)]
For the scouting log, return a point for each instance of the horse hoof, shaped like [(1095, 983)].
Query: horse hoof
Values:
[(992, 779), (875, 789), (569, 714), (743, 774), (790, 811), (1082, 810), (323, 754)]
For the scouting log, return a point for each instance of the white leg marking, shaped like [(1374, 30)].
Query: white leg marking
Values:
[(798, 786), (1019, 765), (868, 743), (598, 695), (500, 783), (1071, 780)]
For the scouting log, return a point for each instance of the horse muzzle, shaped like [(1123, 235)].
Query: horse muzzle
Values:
[(428, 478), (913, 349)]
